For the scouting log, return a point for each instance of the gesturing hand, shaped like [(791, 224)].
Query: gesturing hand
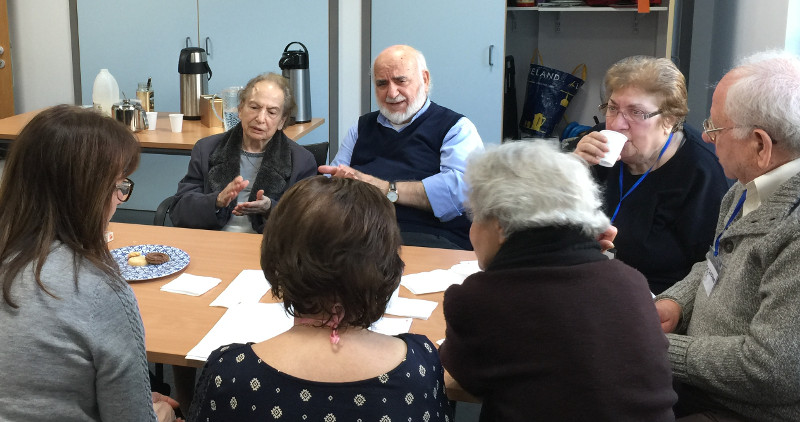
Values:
[(261, 205), (231, 191), (343, 171)]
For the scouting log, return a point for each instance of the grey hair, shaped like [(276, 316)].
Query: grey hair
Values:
[(766, 94), (281, 82), (422, 65), (533, 184)]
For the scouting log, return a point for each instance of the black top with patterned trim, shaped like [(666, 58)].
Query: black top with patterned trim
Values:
[(236, 385)]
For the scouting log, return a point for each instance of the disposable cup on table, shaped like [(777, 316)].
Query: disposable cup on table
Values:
[(176, 121), (615, 143), (152, 119)]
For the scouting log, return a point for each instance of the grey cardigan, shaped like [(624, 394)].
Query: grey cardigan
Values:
[(741, 344), (77, 357)]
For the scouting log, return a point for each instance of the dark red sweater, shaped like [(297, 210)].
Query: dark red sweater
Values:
[(554, 331)]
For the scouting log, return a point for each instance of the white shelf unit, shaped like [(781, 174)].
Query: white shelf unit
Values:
[(569, 36)]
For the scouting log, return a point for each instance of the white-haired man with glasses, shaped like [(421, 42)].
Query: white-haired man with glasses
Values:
[(734, 322)]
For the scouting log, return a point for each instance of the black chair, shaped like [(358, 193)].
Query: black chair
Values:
[(163, 210), (320, 152)]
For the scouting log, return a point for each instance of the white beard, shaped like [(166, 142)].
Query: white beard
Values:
[(401, 117)]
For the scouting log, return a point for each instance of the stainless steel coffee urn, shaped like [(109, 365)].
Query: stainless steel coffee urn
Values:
[(294, 66), (193, 67)]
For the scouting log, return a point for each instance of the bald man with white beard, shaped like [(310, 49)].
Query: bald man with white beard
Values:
[(414, 151)]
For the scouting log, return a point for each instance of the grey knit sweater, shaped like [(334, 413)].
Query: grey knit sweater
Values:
[(741, 343), (77, 358)]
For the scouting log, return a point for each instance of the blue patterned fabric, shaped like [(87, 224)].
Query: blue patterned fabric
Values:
[(237, 385)]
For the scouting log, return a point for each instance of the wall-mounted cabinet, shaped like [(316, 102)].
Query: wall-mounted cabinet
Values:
[(243, 38), (463, 45), (596, 36)]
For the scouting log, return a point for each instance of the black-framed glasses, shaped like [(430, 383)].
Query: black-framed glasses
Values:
[(631, 115), (125, 189)]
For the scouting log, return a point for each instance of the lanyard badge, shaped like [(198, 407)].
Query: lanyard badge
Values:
[(713, 261)]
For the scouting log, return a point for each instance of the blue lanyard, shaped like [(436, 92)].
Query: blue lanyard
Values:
[(730, 220), (635, 185)]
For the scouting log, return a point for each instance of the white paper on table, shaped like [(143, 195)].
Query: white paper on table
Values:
[(244, 323), (414, 308), (189, 284), (248, 287), (466, 268), (431, 281), (391, 326)]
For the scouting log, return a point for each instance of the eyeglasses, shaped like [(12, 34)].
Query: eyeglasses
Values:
[(708, 128), (631, 115), (125, 188)]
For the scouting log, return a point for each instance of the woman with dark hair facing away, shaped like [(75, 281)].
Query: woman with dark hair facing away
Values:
[(71, 337), (236, 177), (551, 330), (331, 253)]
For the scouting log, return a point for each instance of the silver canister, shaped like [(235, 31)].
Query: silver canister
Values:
[(194, 75), (294, 66)]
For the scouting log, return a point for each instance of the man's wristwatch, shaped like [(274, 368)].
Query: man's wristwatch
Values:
[(392, 194)]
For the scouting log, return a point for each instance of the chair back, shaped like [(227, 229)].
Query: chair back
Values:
[(320, 152), (163, 209)]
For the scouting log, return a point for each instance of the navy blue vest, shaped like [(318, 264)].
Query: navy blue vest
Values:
[(411, 154)]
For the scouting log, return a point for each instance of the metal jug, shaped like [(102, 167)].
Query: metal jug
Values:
[(130, 114), (294, 66), (193, 67)]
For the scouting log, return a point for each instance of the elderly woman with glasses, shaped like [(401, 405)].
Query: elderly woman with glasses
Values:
[(552, 329), (664, 192)]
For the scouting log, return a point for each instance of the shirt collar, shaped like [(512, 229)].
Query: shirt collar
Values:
[(762, 187), (383, 121)]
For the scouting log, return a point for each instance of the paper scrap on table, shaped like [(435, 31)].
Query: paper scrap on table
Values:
[(466, 268), (414, 308), (251, 322), (431, 281), (391, 326), (189, 284), (248, 287)]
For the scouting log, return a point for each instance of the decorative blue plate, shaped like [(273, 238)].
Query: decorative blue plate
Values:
[(178, 260)]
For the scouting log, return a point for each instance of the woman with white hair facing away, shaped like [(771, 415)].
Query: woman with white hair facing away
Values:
[(551, 329)]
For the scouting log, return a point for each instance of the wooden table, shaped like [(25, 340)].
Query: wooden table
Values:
[(175, 323), (162, 138)]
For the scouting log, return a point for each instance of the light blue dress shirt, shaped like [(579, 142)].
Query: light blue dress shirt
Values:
[(446, 190)]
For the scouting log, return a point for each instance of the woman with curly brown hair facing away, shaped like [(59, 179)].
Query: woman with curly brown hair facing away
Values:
[(331, 253)]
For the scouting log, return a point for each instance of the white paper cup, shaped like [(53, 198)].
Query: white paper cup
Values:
[(152, 119), (615, 143), (176, 121)]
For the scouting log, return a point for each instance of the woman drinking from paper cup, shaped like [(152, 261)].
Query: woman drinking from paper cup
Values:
[(664, 192)]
